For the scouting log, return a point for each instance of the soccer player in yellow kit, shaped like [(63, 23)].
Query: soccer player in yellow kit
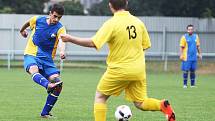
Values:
[(127, 38)]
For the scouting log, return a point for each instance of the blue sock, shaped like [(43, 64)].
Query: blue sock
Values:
[(185, 75), (41, 80), (192, 78), (51, 100)]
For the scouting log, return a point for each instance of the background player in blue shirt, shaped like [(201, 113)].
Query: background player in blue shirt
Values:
[(40, 51), (189, 50)]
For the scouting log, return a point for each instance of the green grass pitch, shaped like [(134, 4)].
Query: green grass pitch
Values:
[(22, 100)]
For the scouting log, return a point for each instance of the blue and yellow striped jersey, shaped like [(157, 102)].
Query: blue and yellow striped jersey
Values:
[(190, 43), (43, 41)]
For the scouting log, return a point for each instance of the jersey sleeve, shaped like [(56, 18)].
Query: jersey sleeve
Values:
[(33, 22), (62, 30), (198, 41), (146, 43), (103, 35), (182, 42)]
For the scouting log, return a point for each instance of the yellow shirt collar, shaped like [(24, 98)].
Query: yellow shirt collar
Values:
[(121, 13)]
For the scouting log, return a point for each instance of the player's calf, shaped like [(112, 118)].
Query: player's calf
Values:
[(192, 78), (40, 79)]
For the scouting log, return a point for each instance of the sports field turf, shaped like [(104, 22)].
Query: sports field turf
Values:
[(22, 99)]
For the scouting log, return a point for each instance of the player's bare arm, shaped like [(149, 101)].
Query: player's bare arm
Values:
[(85, 42), (62, 49), (23, 31), (181, 53), (199, 52)]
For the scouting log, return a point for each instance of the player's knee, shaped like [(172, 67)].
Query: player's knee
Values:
[(101, 98), (54, 78), (33, 69)]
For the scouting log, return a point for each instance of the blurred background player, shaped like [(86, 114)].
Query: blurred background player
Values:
[(127, 39), (189, 50), (40, 51)]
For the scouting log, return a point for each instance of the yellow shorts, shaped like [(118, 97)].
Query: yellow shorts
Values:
[(135, 90)]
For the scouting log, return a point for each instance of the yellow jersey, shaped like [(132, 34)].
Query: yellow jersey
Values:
[(127, 38)]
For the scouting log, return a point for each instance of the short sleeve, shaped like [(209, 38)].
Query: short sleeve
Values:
[(146, 43), (33, 22), (197, 41), (103, 35), (62, 30), (183, 41)]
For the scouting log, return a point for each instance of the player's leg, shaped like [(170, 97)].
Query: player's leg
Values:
[(107, 86), (52, 96), (31, 66), (185, 76), (151, 104), (137, 92), (184, 68), (192, 78), (51, 72), (192, 73), (100, 106)]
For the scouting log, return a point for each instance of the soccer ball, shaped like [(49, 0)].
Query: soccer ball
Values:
[(123, 113)]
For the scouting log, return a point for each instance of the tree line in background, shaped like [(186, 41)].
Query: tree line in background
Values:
[(182, 8), (37, 7)]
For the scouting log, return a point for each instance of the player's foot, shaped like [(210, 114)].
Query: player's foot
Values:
[(185, 86), (48, 116), (167, 110), (52, 86), (192, 86)]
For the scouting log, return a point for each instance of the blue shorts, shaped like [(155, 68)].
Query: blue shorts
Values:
[(189, 65), (46, 66)]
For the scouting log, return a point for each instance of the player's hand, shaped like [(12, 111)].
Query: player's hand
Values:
[(65, 37), (181, 57), (24, 33), (62, 55)]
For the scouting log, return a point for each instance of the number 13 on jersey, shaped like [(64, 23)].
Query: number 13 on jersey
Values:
[(131, 32)]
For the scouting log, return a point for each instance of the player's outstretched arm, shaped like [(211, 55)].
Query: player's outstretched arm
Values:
[(23, 31), (85, 42), (62, 46)]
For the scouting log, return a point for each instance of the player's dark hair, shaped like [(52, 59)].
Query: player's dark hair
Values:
[(119, 4), (190, 25), (58, 8)]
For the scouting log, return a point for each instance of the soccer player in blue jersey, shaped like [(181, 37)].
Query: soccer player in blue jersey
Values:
[(40, 51), (189, 51)]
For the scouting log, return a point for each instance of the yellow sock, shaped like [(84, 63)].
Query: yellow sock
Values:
[(151, 104), (100, 110)]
